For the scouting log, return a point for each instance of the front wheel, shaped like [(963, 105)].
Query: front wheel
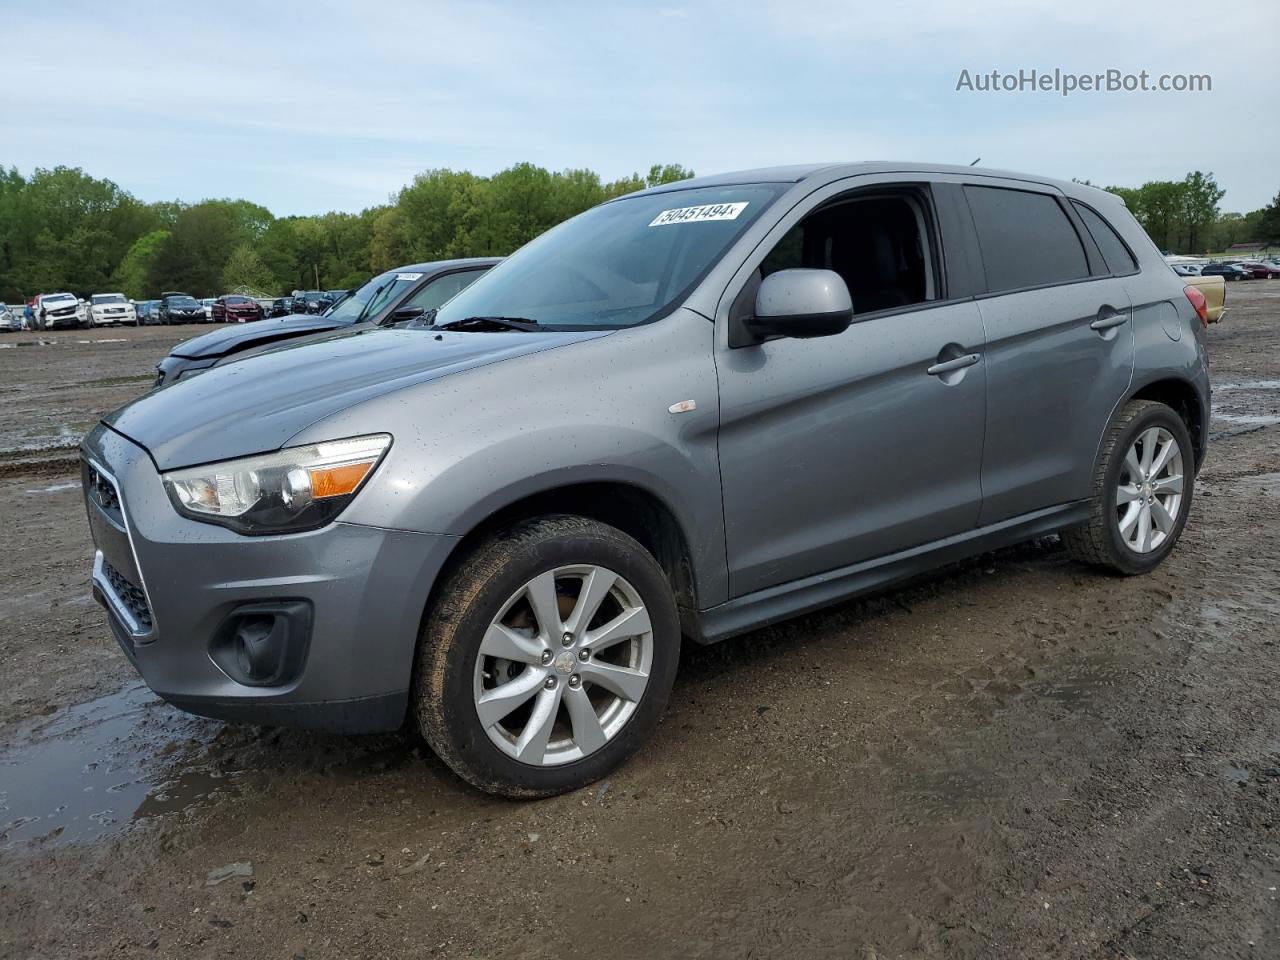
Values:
[(1143, 484), (548, 657)]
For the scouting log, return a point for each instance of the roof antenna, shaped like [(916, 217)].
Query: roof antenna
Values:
[(975, 163)]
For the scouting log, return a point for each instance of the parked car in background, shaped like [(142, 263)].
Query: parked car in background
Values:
[(207, 303), (55, 310), (281, 307), (1261, 270), (10, 322), (234, 308), (108, 308), (1228, 271), (687, 412), (307, 301), (180, 308), (152, 315), (397, 296)]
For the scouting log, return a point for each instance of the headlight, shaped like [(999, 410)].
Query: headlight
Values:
[(296, 489)]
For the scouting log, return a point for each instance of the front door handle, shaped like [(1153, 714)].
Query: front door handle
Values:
[(1109, 317), (959, 363)]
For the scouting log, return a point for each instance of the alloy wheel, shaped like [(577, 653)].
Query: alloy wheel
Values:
[(564, 665), (1149, 494)]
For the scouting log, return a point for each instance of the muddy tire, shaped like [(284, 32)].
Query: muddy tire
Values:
[(548, 657), (1142, 490)]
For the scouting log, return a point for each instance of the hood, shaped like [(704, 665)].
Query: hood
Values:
[(256, 404), (219, 343)]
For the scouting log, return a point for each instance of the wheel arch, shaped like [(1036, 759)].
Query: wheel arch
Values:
[(635, 510), (1183, 397)]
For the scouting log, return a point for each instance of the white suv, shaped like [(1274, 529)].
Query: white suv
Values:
[(108, 308)]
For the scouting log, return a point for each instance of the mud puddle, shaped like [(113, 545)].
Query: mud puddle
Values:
[(98, 767)]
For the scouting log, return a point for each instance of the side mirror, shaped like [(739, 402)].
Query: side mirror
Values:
[(801, 303), (405, 313)]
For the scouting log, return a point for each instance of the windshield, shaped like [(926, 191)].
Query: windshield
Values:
[(373, 297), (618, 264), (58, 297), (108, 298), (182, 302)]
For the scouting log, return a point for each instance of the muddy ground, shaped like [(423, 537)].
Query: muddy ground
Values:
[(1017, 757)]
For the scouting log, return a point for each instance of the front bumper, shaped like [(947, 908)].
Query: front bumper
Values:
[(169, 586)]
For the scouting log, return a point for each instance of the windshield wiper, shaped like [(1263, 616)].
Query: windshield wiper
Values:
[(492, 323)]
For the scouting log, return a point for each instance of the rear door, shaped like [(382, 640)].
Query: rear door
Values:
[(1059, 347)]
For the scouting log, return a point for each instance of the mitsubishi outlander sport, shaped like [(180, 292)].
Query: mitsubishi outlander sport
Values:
[(679, 416)]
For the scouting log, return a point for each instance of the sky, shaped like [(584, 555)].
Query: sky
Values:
[(306, 107)]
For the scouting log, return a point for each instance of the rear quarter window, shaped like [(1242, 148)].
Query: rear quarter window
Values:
[(1025, 238), (1114, 251)]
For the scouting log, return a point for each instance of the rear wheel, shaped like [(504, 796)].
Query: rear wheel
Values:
[(548, 657), (1143, 485)]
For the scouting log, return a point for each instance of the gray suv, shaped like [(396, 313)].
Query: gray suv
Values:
[(683, 414)]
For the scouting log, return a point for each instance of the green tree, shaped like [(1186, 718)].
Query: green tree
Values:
[(245, 272), (133, 275), (1268, 223)]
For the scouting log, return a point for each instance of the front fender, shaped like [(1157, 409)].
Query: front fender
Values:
[(596, 411)]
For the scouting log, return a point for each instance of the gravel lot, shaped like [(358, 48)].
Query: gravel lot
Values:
[(1017, 757)]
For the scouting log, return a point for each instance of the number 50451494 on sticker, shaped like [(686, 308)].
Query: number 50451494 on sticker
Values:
[(708, 211)]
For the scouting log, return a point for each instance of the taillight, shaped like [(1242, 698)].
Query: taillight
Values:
[(1198, 303)]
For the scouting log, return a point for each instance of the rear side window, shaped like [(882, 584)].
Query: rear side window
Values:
[(1026, 239), (1114, 252)]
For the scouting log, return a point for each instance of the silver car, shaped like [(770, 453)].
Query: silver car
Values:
[(679, 416)]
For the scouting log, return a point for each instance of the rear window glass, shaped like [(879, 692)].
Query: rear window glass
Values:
[(1114, 252), (1025, 238)]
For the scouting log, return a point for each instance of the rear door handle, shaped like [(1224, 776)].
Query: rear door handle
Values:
[(959, 363), (1109, 317)]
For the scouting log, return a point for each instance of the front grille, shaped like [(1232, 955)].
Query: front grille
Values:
[(132, 597)]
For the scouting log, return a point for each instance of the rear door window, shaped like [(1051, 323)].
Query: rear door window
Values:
[(1026, 239), (1117, 256)]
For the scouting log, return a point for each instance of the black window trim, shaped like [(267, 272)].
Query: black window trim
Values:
[(1127, 249), (1091, 254)]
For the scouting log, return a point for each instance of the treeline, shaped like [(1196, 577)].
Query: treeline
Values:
[(1183, 215), (62, 229)]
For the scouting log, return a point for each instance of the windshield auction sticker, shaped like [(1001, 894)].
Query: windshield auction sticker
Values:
[(709, 211)]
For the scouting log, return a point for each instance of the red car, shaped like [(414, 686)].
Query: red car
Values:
[(1261, 271), (235, 309)]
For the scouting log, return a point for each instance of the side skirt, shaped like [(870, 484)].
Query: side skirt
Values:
[(781, 602)]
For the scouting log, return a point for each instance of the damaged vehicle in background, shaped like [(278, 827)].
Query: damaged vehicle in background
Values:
[(686, 413), (393, 297), (56, 310)]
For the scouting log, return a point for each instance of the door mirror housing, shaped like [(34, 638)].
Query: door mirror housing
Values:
[(801, 303), (401, 314)]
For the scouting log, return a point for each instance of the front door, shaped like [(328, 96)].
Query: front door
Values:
[(850, 447)]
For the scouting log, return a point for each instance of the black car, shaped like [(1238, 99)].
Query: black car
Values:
[(1228, 271), (397, 296), (281, 307), (307, 301), (180, 308)]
